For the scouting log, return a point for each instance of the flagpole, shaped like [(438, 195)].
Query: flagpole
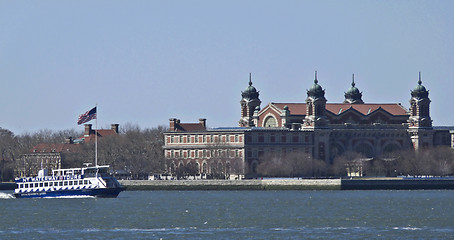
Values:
[(96, 137)]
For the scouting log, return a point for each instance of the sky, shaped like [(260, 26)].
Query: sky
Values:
[(143, 62)]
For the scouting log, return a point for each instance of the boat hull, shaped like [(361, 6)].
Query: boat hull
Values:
[(98, 192)]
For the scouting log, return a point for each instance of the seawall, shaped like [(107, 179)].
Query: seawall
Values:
[(250, 184), (283, 184), (397, 184)]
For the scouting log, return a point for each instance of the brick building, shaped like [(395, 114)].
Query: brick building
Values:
[(322, 130), (52, 155)]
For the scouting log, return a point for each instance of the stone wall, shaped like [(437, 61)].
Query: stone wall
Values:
[(253, 184)]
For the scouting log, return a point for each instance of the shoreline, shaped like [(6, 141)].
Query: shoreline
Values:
[(249, 184), (283, 184)]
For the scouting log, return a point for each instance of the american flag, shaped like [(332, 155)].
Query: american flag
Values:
[(88, 116)]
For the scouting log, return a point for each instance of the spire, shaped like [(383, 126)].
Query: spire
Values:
[(315, 81), (420, 91), (250, 79), (250, 92), (419, 82), (353, 95), (316, 91)]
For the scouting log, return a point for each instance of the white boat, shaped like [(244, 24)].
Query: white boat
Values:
[(93, 181)]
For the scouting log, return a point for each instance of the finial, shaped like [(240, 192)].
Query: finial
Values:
[(419, 81), (250, 79), (353, 80), (315, 81)]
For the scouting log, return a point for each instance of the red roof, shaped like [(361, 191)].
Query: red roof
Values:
[(190, 127), (338, 108), (294, 108), (367, 108), (101, 133)]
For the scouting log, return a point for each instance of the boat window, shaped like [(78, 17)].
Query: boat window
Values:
[(85, 182), (60, 183), (40, 184), (36, 184), (51, 184), (80, 182), (46, 184), (26, 185), (70, 183), (65, 183), (21, 185)]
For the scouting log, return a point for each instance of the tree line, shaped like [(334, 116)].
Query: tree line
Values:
[(437, 161), (135, 152)]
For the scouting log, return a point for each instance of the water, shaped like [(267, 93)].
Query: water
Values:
[(233, 215)]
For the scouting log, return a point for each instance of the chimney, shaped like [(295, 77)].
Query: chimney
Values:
[(172, 124), (203, 121), (87, 130), (114, 127), (69, 140)]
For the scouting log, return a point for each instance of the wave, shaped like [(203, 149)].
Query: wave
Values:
[(4, 195), (74, 196)]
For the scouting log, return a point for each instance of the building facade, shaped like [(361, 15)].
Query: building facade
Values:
[(315, 127)]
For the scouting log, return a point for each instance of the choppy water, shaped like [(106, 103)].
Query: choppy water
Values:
[(233, 215)]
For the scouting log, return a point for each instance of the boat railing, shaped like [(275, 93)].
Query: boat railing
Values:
[(100, 180)]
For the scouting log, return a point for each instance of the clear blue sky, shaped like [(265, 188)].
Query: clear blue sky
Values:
[(144, 62)]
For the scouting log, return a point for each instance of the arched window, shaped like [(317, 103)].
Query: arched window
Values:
[(310, 109), (270, 121), (365, 149), (204, 168)]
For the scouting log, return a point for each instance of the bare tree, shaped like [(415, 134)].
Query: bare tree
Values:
[(296, 164)]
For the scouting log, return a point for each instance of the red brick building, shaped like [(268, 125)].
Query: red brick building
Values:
[(322, 130)]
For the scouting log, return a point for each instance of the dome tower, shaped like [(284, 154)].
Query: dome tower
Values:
[(315, 106), (419, 122), (353, 95), (249, 102)]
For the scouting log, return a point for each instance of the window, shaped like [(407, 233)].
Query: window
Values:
[(196, 139), (295, 138), (46, 184), (236, 138), (261, 138), (272, 138), (284, 138), (181, 139), (270, 121), (40, 184)]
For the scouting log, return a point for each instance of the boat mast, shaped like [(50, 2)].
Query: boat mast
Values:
[(96, 137)]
